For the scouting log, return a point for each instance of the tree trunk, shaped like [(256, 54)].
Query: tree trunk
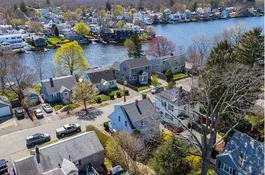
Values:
[(85, 105), (71, 72), (205, 163), (3, 86)]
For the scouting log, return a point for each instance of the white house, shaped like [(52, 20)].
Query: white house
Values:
[(13, 40), (174, 106), (102, 79)]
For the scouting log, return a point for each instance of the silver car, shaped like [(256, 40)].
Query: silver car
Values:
[(67, 129), (47, 108), (38, 113), (38, 138)]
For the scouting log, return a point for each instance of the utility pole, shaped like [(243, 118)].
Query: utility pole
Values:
[(124, 95)]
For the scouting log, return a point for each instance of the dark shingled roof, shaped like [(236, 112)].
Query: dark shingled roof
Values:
[(138, 62), (243, 146), (175, 97), (145, 110), (96, 76), (59, 83), (76, 147)]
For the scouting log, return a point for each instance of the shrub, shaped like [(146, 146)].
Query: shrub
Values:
[(57, 107), (98, 100), (106, 126), (169, 75), (103, 138), (118, 94), (70, 107), (111, 96)]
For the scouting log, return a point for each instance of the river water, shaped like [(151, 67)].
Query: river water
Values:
[(181, 34)]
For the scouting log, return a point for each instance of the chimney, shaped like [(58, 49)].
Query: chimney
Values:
[(172, 54), (136, 104), (51, 82)]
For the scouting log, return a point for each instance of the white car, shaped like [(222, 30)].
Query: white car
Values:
[(67, 129), (47, 108), (38, 113)]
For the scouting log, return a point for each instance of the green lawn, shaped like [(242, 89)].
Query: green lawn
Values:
[(177, 76), (142, 88), (54, 41), (114, 91), (103, 97)]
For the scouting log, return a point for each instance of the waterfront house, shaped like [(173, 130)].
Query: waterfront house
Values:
[(139, 116), (102, 79), (82, 152), (136, 71), (74, 36), (118, 35), (242, 155), (173, 105), (5, 107), (39, 41), (31, 95), (58, 89), (14, 40), (176, 63)]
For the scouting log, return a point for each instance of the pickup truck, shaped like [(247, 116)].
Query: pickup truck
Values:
[(67, 129)]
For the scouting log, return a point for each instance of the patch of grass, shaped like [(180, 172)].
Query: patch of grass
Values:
[(70, 107), (57, 107), (143, 88), (114, 91), (54, 41), (158, 84), (10, 95), (103, 138), (104, 104), (37, 87), (103, 97), (181, 75), (253, 120)]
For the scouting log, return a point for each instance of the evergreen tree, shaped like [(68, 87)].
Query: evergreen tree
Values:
[(221, 54), (15, 6), (171, 2), (23, 7), (48, 2), (169, 75), (250, 50), (137, 51), (195, 6), (54, 30), (108, 6)]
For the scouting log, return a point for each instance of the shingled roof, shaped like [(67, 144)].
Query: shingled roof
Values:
[(74, 148), (175, 60), (59, 83), (96, 76), (137, 62), (176, 96), (246, 153)]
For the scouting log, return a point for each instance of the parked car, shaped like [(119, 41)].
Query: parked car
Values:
[(118, 170), (67, 129), (38, 113), (157, 90), (19, 112), (47, 108), (38, 139), (3, 167)]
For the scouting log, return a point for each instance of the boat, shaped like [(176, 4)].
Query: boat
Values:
[(45, 49), (148, 21), (93, 42), (28, 52)]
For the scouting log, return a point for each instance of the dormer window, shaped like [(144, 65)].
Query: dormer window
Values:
[(126, 123), (142, 123), (119, 118)]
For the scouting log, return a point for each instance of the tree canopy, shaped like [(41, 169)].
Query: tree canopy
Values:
[(70, 56), (134, 46), (82, 28), (117, 10)]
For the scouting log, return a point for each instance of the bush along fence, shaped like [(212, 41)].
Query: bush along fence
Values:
[(128, 85)]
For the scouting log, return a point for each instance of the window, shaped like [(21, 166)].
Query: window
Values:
[(142, 123), (134, 77), (226, 168), (146, 67), (119, 118), (185, 108), (95, 158), (79, 162), (164, 104), (170, 107), (124, 69), (125, 123)]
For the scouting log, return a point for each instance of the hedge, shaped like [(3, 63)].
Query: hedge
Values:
[(103, 138)]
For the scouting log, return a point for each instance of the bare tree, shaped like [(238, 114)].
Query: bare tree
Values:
[(5, 66), (227, 93), (202, 45), (39, 66), (19, 78), (234, 33), (194, 58)]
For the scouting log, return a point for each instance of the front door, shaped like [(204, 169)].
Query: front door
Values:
[(66, 95)]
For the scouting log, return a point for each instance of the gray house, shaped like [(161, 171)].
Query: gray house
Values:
[(66, 157), (32, 95), (136, 71), (102, 79), (241, 156), (39, 41), (5, 107), (116, 69), (73, 36), (176, 63), (58, 89)]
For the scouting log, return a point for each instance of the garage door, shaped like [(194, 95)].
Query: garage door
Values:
[(4, 111)]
